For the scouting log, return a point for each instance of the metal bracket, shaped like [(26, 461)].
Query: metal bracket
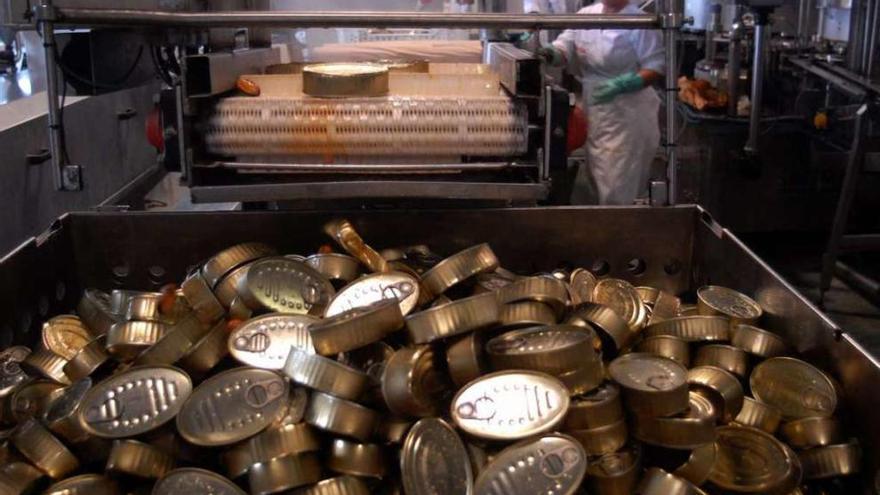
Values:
[(71, 178)]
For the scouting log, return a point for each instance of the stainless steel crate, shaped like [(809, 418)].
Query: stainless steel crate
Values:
[(677, 249)]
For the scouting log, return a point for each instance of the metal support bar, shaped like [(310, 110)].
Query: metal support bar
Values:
[(122, 17), (672, 20), (370, 168), (847, 195), (757, 87), (53, 115)]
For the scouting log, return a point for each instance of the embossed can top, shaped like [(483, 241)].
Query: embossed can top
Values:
[(286, 286), (373, 288), (11, 374), (231, 406), (510, 405), (796, 388), (434, 460), (228, 259), (717, 300), (265, 341), (65, 335), (749, 460), (647, 372), (84, 484), (135, 401), (194, 481), (581, 283), (554, 463), (623, 299)]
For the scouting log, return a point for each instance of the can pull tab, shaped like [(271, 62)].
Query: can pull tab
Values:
[(262, 393), (556, 463), (343, 232)]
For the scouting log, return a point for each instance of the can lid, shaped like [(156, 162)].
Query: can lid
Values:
[(281, 440), (341, 416), (723, 388), (84, 484), (46, 363), (340, 485), (796, 388), (356, 327), (201, 298), (510, 405), (525, 314), (684, 431), (832, 460), (136, 401), (283, 473), (284, 285), (658, 482), (187, 481), (459, 267), (32, 399), (357, 459), (812, 432), (693, 328), (456, 317), (226, 290), (230, 258), (335, 266), (412, 382), (45, 451), (552, 349), (617, 465), (127, 339), (465, 359), (729, 358), (65, 335), (753, 461), (344, 233), (651, 385), (623, 299), (717, 300), (265, 341), (544, 289), (376, 287), (756, 414), (177, 340), (581, 283), (667, 346), (62, 416), (325, 375), (757, 341), (232, 406), (699, 464), (602, 440), (11, 374), (87, 360), (559, 467), (345, 80), (613, 331), (434, 455), (599, 407)]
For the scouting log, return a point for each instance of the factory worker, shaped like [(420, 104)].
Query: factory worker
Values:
[(618, 67)]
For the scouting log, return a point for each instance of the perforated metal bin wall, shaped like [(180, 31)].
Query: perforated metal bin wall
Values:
[(677, 249)]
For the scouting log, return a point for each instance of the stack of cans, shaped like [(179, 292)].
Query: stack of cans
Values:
[(399, 371)]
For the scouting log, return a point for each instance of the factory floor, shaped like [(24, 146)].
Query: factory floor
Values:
[(797, 257)]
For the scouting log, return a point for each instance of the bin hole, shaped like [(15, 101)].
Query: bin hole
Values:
[(121, 272), (672, 267), (43, 306), (6, 336), (157, 273), (60, 291), (24, 327), (637, 266), (600, 268)]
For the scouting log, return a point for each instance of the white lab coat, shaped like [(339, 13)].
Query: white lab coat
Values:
[(624, 134)]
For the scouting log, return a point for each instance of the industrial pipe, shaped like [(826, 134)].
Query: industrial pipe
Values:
[(122, 17), (734, 56), (53, 115), (757, 84), (672, 21)]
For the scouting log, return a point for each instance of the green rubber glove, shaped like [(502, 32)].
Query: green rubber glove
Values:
[(625, 83), (551, 55)]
